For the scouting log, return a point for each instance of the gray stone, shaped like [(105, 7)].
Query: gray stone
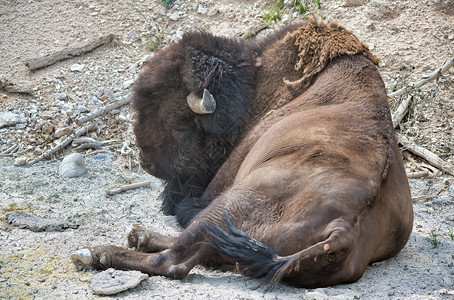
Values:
[(175, 16), (77, 67), (72, 165), (59, 132), (24, 220), (213, 12), (202, 10), (8, 119), (127, 84), (20, 161), (102, 157), (67, 107), (110, 281), (317, 294), (61, 97)]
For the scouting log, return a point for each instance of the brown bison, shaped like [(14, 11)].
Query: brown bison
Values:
[(278, 156)]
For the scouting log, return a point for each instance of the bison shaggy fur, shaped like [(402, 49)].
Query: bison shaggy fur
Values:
[(278, 156)]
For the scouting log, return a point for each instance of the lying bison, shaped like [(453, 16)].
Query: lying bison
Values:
[(278, 156)]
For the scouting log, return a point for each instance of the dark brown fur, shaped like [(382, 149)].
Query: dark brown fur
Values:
[(312, 187)]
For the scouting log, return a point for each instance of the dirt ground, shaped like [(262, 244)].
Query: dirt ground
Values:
[(412, 38)]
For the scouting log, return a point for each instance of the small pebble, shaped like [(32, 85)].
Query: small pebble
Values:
[(72, 165), (20, 161), (202, 10), (175, 16), (8, 119), (59, 132), (77, 67)]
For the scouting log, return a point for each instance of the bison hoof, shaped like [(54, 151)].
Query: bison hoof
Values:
[(133, 235), (82, 259)]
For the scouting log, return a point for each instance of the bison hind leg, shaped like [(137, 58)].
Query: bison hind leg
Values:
[(319, 265), (252, 257), (187, 209)]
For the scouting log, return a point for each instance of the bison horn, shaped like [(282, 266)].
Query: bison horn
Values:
[(204, 105)]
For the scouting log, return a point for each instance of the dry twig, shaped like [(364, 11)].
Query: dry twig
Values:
[(418, 174), (429, 156), (397, 116), (18, 89), (63, 144), (439, 72), (10, 87), (66, 53), (253, 32), (127, 187), (424, 197), (401, 111), (104, 110)]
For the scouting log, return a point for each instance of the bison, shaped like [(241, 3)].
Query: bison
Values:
[(278, 156)]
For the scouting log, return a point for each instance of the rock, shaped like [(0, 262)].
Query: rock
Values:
[(61, 97), (77, 67), (72, 165), (175, 16), (102, 157), (67, 107), (213, 12), (111, 281), (147, 57), (349, 3), (20, 161), (380, 11), (82, 109), (133, 35), (176, 37), (127, 84), (317, 294), (59, 132), (26, 221), (47, 129), (8, 119), (202, 10)]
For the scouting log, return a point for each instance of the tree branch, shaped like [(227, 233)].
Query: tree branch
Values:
[(66, 53), (63, 144), (429, 156), (103, 110), (422, 82)]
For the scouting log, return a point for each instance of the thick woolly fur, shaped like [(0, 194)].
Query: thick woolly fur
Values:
[(187, 149), (296, 175)]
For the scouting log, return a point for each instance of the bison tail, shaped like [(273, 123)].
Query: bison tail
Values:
[(252, 257)]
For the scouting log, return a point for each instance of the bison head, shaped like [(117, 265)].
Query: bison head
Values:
[(189, 108)]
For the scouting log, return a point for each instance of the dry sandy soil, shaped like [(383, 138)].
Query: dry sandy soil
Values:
[(412, 38)]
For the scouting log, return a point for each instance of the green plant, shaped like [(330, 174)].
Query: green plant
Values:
[(275, 13), (155, 41), (451, 234), (434, 239), (445, 149), (168, 3), (304, 6)]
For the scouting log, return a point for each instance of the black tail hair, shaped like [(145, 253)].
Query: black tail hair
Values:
[(252, 257)]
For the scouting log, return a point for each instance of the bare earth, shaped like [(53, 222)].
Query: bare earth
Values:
[(412, 38)]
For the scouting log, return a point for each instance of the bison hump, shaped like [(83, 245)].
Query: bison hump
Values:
[(318, 44)]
